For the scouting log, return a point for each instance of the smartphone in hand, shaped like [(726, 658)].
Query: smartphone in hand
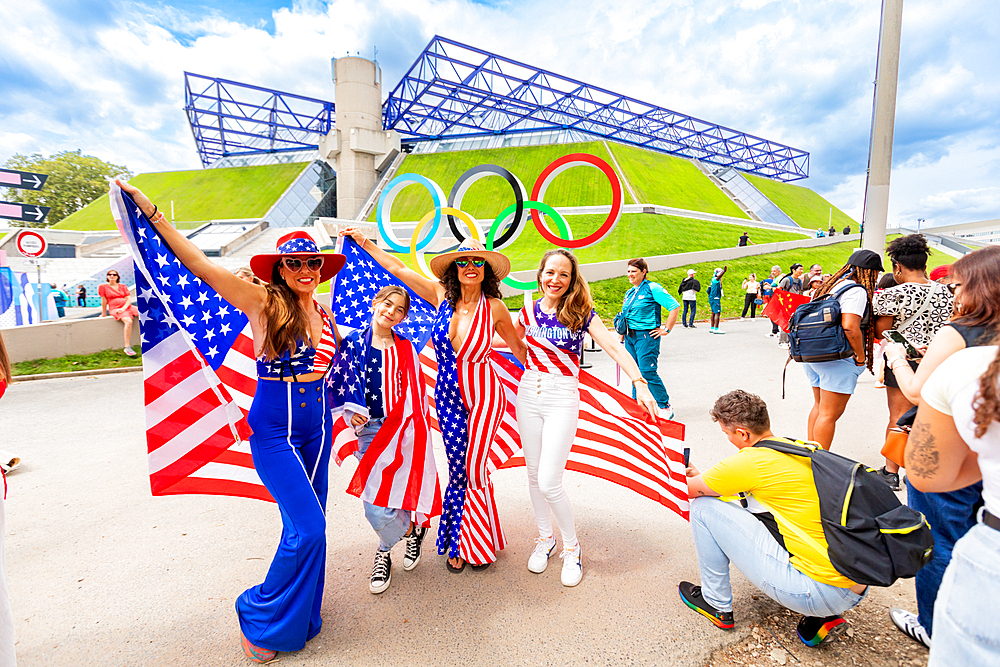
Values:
[(896, 337), (687, 457)]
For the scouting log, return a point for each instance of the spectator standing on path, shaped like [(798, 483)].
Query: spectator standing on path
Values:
[(641, 307), (767, 287), (782, 566), (81, 296), (833, 382), (688, 290), (790, 283), (751, 289), (715, 299), (950, 513), (917, 308), (745, 240), (59, 296)]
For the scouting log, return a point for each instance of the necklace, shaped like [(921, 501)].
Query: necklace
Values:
[(389, 337)]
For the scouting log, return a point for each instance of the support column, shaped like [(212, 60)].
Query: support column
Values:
[(880, 161)]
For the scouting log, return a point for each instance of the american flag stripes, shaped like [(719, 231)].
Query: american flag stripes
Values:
[(198, 370)]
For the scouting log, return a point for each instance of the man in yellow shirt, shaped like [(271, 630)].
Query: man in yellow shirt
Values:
[(787, 568)]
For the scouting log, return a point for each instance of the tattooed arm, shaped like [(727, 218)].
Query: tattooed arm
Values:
[(937, 459)]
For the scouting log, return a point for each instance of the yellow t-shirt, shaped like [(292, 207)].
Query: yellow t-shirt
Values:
[(784, 483)]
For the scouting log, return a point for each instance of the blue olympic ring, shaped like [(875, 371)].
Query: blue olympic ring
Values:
[(385, 204)]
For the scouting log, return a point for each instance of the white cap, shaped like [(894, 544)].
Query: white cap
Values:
[(718, 270), (690, 272)]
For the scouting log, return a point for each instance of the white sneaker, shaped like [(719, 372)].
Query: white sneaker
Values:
[(909, 624), (539, 558), (572, 569), (129, 351), (783, 346), (667, 412)]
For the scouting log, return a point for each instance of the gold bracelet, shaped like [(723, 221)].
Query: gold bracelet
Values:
[(642, 380)]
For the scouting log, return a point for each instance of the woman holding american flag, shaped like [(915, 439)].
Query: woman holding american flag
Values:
[(294, 341)]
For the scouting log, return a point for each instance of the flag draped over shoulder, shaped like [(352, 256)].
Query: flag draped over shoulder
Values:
[(614, 439), (199, 371), (781, 306)]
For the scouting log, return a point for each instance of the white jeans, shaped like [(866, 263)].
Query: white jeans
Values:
[(548, 407)]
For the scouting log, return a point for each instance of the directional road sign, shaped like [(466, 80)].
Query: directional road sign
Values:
[(24, 180), (25, 212)]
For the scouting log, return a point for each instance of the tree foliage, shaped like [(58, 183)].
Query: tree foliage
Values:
[(75, 180)]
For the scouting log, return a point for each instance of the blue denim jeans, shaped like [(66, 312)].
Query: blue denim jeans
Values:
[(389, 524), (693, 307), (965, 630), (951, 515), (726, 533), (646, 351)]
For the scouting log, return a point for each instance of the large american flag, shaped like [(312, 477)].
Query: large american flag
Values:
[(615, 440), (198, 369)]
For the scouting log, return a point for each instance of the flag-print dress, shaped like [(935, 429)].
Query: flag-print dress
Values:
[(470, 405)]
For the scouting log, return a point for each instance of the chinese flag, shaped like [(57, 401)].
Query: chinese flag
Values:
[(781, 306)]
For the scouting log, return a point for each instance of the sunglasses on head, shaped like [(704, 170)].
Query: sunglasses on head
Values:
[(294, 264), (476, 262), (953, 286)]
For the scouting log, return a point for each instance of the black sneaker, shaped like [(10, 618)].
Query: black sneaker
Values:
[(890, 478), (816, 630), (381, 572), (412, 554), (691, 595)]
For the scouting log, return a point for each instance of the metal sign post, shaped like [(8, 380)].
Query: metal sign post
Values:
[(33, 245)]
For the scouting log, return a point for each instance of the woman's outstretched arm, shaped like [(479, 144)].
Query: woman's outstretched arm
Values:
[(430, 291)]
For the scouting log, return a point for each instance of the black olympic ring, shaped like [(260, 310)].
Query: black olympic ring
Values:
[(471, 176)]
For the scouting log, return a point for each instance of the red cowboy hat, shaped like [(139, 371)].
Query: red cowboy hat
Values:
[(296, 244)]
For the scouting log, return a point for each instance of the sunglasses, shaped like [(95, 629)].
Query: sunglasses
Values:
[(113, 274), (953, 286), (294, 264), (476, 262)]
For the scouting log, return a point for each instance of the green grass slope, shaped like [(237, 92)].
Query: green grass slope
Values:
[(802, 205), (201, 194), (581, 186), (666, 180)]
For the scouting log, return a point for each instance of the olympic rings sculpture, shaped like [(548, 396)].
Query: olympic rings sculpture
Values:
[(508, 225)]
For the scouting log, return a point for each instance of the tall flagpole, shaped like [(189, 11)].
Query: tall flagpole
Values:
[(880, 159)]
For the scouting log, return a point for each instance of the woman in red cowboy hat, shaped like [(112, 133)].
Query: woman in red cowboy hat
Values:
[(469, 397), (294, 341)]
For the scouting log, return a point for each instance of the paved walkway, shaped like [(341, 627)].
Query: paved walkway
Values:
[(101, 573)]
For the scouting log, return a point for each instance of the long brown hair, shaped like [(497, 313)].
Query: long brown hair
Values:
[(979, 273), (286, 322), (388, 291), (4, 362), (867, 278), (453, 288), (987, 401), (576, 303)]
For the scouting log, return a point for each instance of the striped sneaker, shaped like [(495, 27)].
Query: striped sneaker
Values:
[(815, 630), (256, 653), (691, 595)]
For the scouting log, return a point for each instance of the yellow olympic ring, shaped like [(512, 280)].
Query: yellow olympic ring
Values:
[(418, 257)]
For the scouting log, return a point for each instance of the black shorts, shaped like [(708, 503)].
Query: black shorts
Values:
[(890, 377)]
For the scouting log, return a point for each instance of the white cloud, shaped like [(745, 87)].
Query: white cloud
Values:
[(109, 78)]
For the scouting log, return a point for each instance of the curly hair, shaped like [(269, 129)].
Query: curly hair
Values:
[(867, 278), (910, 252), (286, 322), (741, 409), (987, 401), (453, 288), (576, 304)]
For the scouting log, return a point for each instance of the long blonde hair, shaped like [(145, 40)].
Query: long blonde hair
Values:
[(4, 362), (287, 323), (575, 306)]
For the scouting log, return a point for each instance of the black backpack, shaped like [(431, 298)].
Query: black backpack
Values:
[(815, 332), (873, 539)]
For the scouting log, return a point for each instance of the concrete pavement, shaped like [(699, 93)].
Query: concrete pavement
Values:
[(102, 573)]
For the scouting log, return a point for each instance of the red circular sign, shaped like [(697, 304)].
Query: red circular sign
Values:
[(31, 244)]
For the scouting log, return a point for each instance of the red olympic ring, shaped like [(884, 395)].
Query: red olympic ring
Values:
[(556, 168)]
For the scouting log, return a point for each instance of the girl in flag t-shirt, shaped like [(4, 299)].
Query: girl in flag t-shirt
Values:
[(377, 385), (548, 398)]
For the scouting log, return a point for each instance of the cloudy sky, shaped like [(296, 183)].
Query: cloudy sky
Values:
[(107, 77)]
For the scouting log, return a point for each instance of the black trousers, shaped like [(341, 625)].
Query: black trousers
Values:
[(749, 301)]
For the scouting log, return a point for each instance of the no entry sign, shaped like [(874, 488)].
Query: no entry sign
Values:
[(31, 244)]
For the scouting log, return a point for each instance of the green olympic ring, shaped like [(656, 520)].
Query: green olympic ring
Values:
[(527, 285)]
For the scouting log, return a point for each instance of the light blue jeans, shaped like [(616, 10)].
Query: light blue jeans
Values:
[(389, 524), (965, 629), (726, 533)]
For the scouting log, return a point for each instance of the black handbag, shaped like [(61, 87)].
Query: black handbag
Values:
[(621, 323)]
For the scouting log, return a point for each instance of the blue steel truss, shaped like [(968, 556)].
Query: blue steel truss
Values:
[(454, 90), (232, 118)]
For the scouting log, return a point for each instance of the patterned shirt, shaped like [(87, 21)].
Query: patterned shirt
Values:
[(903, 301), (552, 347)]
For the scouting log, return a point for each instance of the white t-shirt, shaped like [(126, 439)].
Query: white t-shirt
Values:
[(751, 286), (851, 300), (951, 389)]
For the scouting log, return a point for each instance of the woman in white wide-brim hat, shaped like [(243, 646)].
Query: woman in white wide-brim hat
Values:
[(469, 397), (294, 341)]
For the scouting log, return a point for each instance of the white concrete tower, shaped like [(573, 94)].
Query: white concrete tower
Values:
[(358, 146)]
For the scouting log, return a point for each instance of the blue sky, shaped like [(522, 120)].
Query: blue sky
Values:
[(107, 77)]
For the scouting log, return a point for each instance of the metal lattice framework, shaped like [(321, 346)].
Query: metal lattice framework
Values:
[(232, 118), (454, 90)]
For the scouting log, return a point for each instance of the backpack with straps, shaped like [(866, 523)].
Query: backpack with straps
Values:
[(815, 332), (873, 539)]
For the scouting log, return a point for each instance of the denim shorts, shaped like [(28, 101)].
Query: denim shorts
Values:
[(840, 376)]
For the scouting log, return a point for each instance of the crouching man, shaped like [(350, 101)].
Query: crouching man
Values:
[(772, 556)]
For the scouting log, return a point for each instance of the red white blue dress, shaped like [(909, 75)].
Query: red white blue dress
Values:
[(471, 404)]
